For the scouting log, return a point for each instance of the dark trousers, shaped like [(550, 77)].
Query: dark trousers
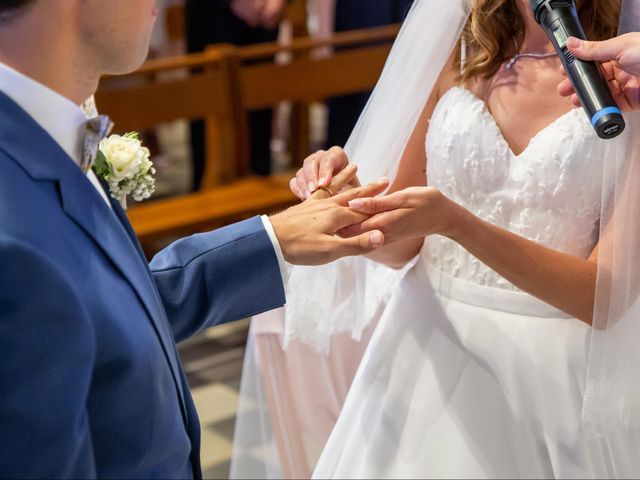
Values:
[(209, 22), (352, 15)]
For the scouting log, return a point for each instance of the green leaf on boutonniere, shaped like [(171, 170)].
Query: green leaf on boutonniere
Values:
[(100, 166)]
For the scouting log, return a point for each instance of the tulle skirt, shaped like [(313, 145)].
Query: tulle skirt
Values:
[(466, 381), (289, 400)]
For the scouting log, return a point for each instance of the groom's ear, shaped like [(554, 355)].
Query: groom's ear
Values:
[(12, 9)]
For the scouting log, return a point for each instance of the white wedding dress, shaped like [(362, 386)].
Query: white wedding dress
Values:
[(466, 376)]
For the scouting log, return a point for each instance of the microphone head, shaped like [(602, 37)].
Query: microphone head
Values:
[(542, 7)]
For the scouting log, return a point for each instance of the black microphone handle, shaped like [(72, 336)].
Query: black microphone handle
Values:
[(586, 77)]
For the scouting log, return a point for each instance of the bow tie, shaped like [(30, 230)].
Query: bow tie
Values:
[(97, 129)]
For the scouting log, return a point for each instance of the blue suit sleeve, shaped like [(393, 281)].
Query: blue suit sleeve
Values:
[(217, 277), (48, 352)]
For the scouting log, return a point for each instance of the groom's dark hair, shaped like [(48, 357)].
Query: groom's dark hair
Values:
[(10, 9)]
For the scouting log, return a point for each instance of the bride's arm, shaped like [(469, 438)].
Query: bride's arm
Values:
[(565, 281), (412, 171)]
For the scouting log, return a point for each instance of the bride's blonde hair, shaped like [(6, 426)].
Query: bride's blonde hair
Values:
[(494, 24)]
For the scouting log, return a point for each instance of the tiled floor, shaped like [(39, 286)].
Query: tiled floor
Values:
[(213, 363)]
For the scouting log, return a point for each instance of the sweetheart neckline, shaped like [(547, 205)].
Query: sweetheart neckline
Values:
[(487, 113)]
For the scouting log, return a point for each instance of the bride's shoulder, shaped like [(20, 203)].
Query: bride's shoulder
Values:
[(449, 76)]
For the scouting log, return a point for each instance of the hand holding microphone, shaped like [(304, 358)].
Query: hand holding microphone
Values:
[(620, 59), (559, 19)]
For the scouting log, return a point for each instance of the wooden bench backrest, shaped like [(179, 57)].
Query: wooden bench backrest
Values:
[(144, 106), (308, 79), (355, 66)]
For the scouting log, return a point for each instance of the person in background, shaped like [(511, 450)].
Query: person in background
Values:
[(238, 22), (352, 15)]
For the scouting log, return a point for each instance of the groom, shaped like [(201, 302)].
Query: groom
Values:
[(90, 381)]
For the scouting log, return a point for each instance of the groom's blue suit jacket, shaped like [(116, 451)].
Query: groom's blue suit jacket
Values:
[(90, 381)]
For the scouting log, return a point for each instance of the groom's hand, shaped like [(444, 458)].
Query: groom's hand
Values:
[(307, 232)]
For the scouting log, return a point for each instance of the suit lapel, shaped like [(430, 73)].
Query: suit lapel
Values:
[(31, 147), (126, 225), (124, 221)]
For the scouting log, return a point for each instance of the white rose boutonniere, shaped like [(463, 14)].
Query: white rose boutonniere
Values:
[(124, 164)]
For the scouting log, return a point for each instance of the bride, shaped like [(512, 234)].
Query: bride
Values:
[(477, 366)]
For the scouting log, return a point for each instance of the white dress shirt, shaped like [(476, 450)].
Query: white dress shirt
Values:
[(65, 122)]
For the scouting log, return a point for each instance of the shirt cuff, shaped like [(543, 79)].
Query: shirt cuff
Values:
[(276, 246)]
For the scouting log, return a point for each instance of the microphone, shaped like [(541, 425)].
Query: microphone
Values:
[(559, 18)]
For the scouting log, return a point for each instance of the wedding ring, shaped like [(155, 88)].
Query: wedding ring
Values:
[(326, 189)]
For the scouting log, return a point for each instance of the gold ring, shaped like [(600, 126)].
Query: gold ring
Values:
[(326, 189)]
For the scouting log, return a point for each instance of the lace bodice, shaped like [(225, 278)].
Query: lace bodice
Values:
[(550, 193)]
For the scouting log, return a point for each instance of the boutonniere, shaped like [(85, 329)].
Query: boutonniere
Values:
[(123, 162)]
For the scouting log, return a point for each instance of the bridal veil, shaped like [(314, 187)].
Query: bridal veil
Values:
[(611, 407), (329, 306)]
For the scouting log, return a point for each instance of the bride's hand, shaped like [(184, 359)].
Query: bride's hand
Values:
[(318, 171), (414, 212), (307, 231)]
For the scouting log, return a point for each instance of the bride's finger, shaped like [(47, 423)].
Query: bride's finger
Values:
[(370, 190), (293, 185), (302, 184), (350, 231), (358, 245), (339, 181), (310, 169), (371, 206), (383, 222), (343, 178), (335, 161), (325, 174)]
